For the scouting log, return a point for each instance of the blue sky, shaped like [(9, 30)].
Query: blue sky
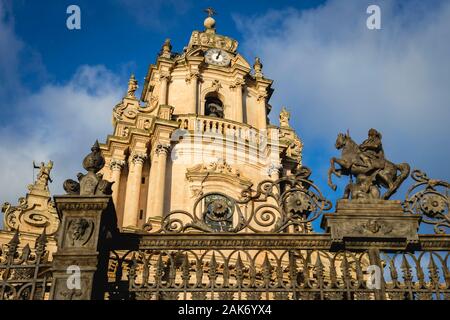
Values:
[(58, 87)]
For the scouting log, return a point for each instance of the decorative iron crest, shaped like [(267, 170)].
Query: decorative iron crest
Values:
[(25, 273), (430, 199), (288, 204)]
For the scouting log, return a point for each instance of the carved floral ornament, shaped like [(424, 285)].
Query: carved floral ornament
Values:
[(219, 166), (162, 148), (212, 40), (138, 158), (237, 83)]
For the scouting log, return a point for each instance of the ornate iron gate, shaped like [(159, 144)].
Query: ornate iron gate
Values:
[(262, 247)]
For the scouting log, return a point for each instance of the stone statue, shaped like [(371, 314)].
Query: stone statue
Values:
[(166, 49), (284, 118), (257, 66), (92, 183), (43, 177), (367, 163), (132, 87), (214, 110)]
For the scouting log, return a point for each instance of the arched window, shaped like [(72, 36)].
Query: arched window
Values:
[(213, 106)]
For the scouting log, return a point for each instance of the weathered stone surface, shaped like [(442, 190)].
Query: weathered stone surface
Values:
[(86, 222), (378, 220)]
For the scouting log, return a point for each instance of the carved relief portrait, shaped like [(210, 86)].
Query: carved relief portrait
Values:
[(79, 232)]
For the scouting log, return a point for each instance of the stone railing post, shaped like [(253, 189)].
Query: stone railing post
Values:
[(79, 270)]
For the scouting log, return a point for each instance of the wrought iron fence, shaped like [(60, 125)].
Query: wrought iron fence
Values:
[(262, 247), (279, 274), (25, 274)]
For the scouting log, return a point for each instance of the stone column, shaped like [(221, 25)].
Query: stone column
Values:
[(131, 212), (262, 116), (192, 79), (162, 151), (116, 166), (164, 78), (238, 86), (79, 272), (149, 212)]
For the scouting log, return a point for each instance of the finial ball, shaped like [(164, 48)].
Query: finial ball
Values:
[(209, 23)]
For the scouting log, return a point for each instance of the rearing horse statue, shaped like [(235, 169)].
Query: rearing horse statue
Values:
[(366, 162)]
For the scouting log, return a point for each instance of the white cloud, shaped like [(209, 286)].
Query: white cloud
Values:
[(336, 74), (59, 122)]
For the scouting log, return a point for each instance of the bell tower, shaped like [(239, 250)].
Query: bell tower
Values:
[(201, 126)]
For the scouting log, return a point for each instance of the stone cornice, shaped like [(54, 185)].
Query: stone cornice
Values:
[(283, 241)]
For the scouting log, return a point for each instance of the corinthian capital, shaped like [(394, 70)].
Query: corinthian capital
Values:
[(162, 148), (237, 83), (192, 75), (138, 157), (164, 75), (116, 164)]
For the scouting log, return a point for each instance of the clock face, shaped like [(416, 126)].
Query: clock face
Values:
[(218, 57)]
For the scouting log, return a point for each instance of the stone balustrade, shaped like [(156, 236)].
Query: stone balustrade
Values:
[(215, 126)]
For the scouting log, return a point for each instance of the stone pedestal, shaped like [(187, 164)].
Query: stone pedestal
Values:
[(86, 223), (379, 221)]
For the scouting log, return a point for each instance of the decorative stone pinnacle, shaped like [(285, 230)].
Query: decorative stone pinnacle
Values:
[(132, 87), (210, 22), (166, 49), (285, 116), (92, 183), (257, 66), (94, 161)]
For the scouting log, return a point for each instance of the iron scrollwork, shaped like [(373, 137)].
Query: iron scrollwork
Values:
[(429, 198), (25, 273), (288, 204)]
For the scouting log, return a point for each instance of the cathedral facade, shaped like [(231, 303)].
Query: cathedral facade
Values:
[(201, 126), (196, 195)]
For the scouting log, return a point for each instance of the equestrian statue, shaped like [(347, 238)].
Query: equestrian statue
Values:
[(367, 164)]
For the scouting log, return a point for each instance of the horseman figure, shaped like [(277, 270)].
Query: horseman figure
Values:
[(367, 163), (372, 153)]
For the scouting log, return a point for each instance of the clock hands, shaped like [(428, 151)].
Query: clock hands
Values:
[(218, 55)]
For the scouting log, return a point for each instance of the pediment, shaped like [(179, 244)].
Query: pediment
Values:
[(218, 174)]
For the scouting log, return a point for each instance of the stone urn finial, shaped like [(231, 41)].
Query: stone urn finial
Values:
[(92, 183), (94, 161)]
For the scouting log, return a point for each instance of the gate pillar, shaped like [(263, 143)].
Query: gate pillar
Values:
[(87, 222), (383, 221)]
